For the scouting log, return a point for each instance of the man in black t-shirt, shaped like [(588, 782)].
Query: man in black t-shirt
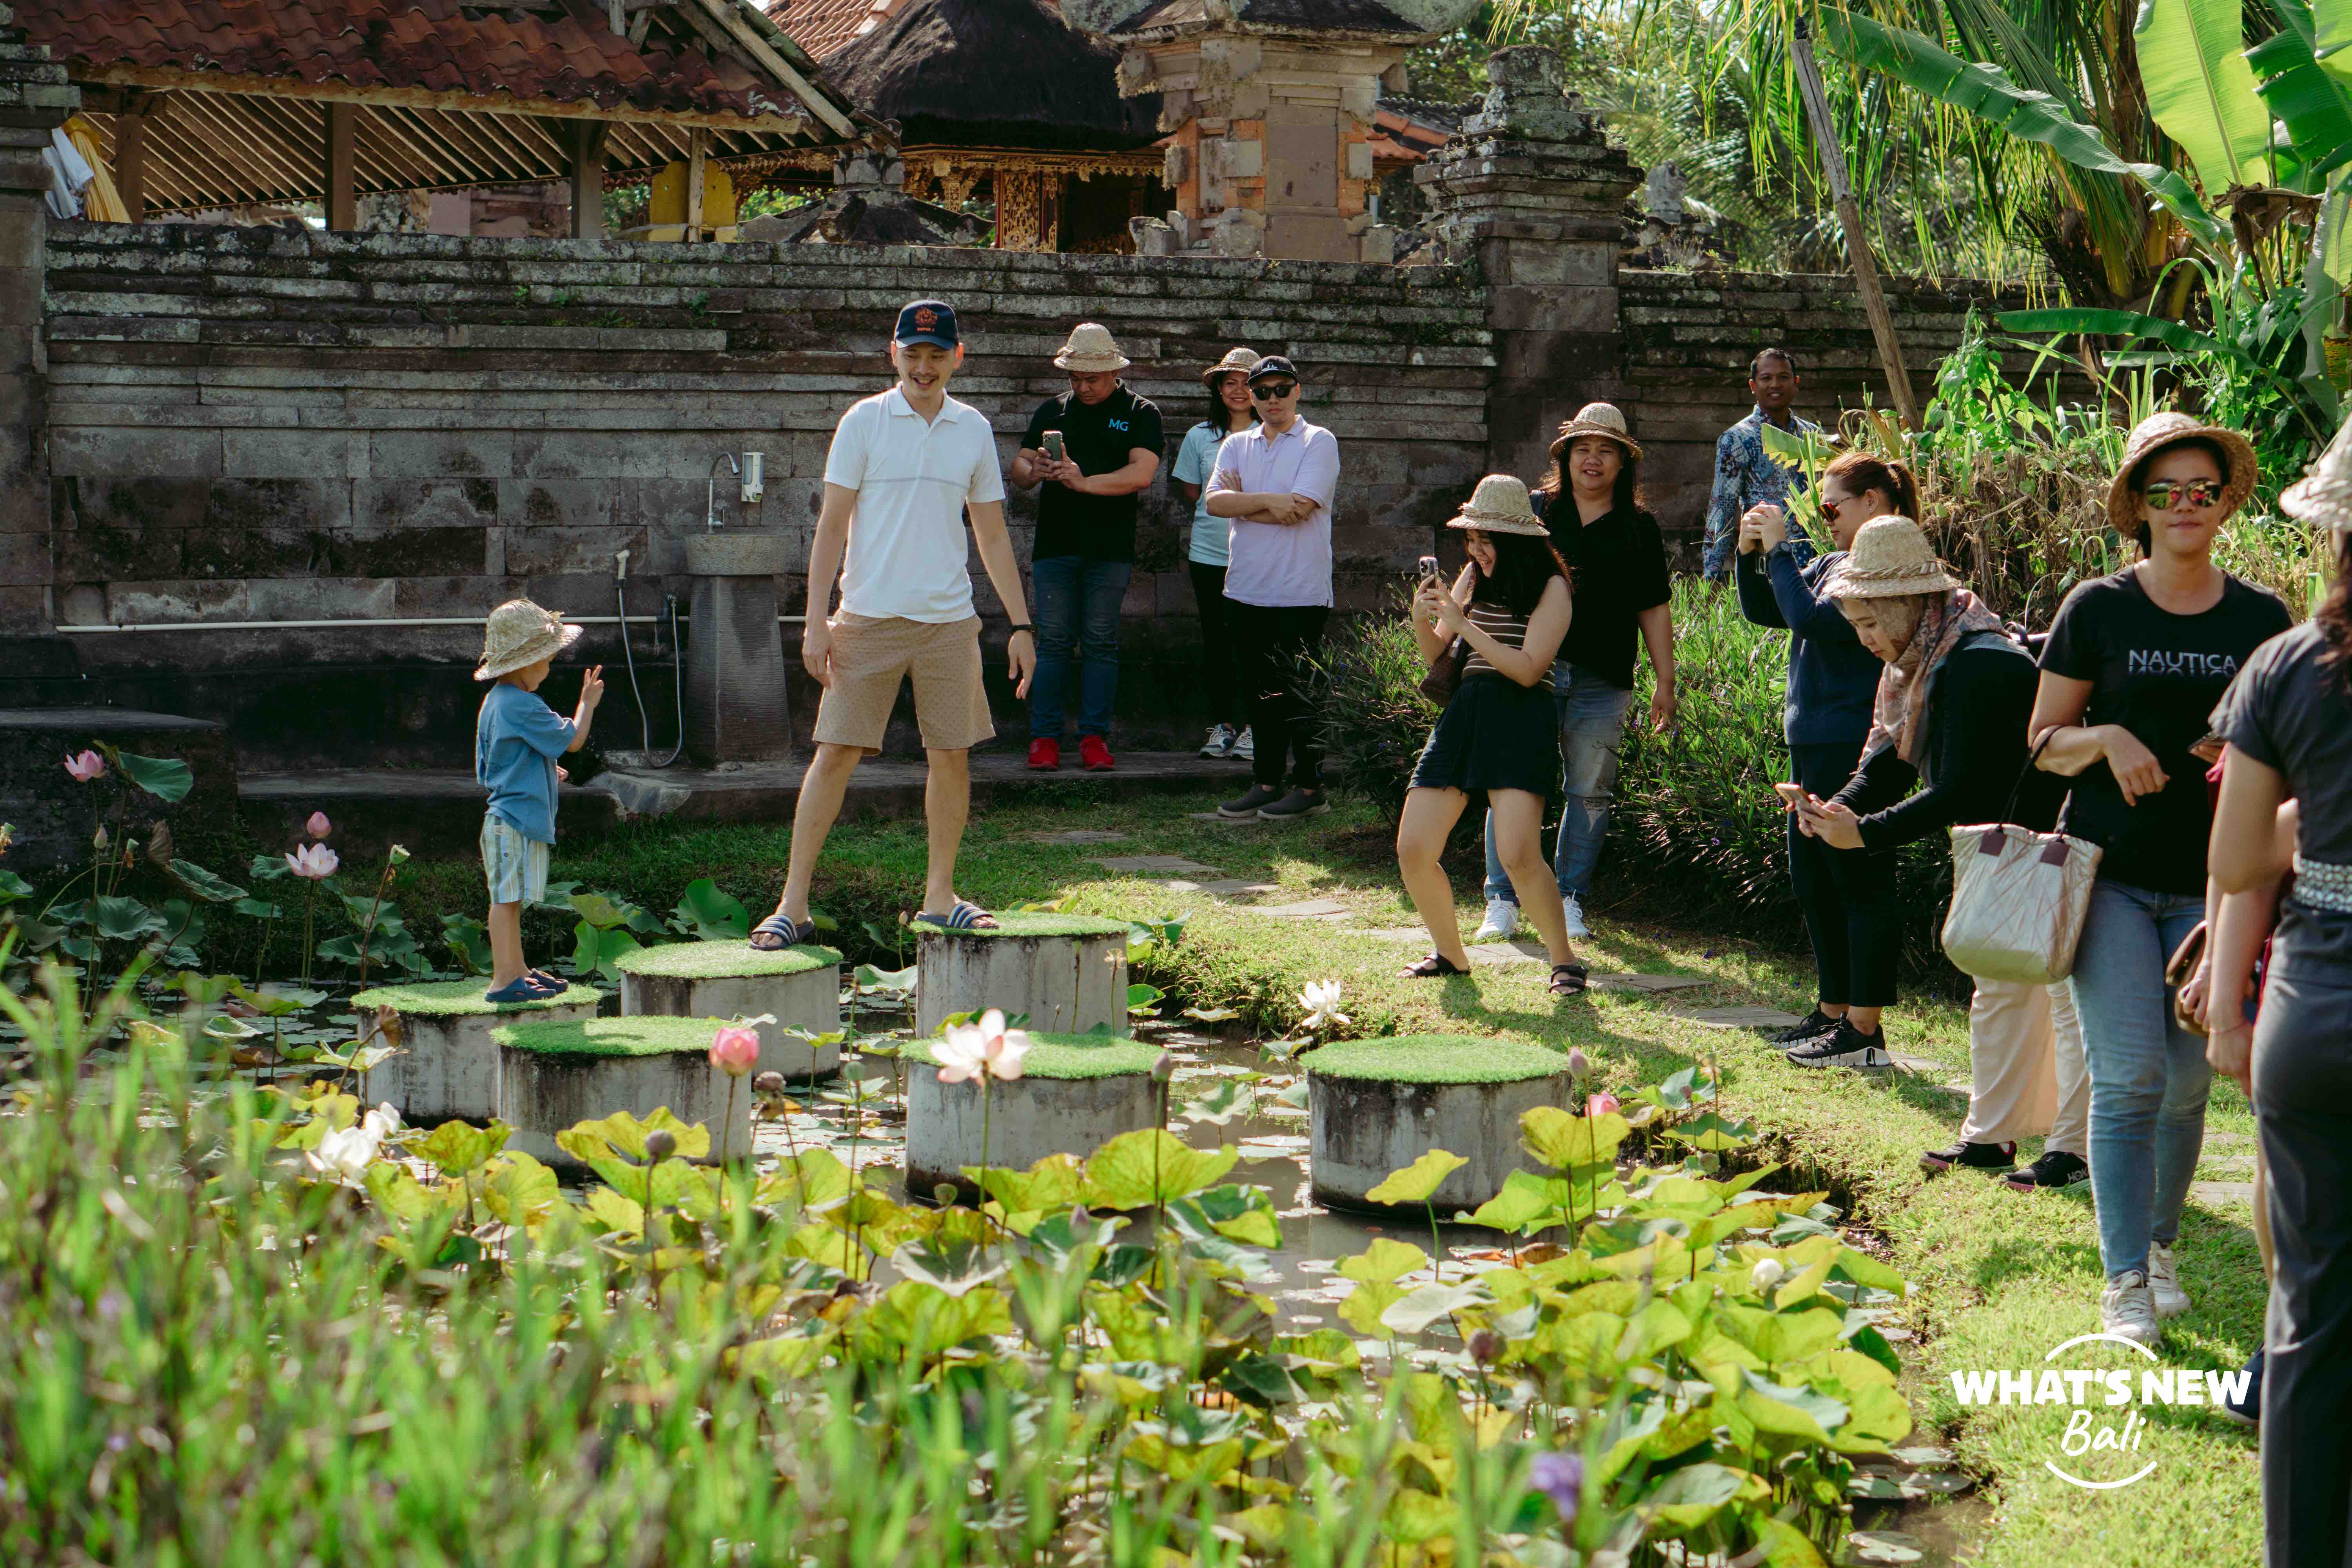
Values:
[(1109, 443)]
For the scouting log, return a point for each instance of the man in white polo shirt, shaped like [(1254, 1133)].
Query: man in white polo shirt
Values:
[(905, 468), (1275, 482)]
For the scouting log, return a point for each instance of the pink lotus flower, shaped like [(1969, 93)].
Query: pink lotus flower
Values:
[(987, 1047), (318, 826), (735, 1049), (88, 767), (1600, 1104), (313, 862)]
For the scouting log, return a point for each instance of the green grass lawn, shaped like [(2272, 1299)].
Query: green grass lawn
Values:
[(1999, 1276)]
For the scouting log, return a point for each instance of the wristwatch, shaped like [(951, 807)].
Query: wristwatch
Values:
[(1025, 627)]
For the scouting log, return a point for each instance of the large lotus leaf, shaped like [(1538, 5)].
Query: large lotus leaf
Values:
[(1365, 1304), (1781, 1338), (212, 889), (1879, 1419), (1136, 1170), (1527, 1201), (516, 1186), (1658, 1324), (918, 1318), (168, 779), (1782, 1544), (1056, 1181), (1425, 1305), (1799, 1413), (1689, 1497), (624, 1134), (1569, 1142), (1418, 1181), (1236, 1212), (710, 914), (1383, 1261), (1064, 1234), (1712, 1133), (458, 1147), (1417, 1516), (953, 1267), (124, 919)]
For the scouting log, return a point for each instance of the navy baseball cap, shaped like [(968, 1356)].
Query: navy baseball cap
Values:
[(927, 321), (1273, 364)]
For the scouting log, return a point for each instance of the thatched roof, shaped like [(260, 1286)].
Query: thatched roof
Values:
[(993, 73)]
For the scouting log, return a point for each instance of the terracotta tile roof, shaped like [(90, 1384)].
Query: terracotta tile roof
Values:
[(821, 26), (563, 57)]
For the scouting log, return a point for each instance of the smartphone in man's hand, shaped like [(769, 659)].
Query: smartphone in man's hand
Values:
[(1053, 445)]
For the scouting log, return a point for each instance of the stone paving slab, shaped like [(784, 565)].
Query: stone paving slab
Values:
[(1310, 910), (1743, 1017), (1155, 865), (1403, 936), (1077, 836), (2223, 1192), (1654, 984), (1498, 953), (1232, 888), (2233, 1163)]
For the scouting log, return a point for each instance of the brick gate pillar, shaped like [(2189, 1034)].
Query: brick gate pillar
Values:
[(35, 98), (1531, 193)]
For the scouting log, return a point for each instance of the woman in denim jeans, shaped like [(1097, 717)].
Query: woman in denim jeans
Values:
[(2135, 664)]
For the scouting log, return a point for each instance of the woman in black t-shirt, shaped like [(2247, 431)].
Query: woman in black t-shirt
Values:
[(2288, 722), (2133, 665)]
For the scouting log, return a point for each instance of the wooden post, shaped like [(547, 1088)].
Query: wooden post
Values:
[(697, 146), (130, 153), (1857, 242), (588, 178), (342, 203)]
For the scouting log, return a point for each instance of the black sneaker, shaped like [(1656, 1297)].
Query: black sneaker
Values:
[(2246, 1410), (1815, 1024), (1843, 1046), (1970, 1157), (1248, 805), (1298, 802), (2056, 1169)]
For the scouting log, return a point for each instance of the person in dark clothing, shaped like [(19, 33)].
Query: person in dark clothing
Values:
[(2287, 721), (1847, 895)]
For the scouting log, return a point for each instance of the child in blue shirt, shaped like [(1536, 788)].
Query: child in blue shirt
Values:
[(517, 738)]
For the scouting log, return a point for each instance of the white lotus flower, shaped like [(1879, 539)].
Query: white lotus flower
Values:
[(346, 1152), (383, 1121), (1321, 1000), (1769, 1273), (988, 1047)]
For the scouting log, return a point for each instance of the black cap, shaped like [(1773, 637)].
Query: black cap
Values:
[(1273, 364), (927, 321)]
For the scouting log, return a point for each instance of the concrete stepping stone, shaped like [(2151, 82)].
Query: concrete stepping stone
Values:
[(1403, 936), (1914, 1064), (1227, 821), (1497, 955), (2228, 1140), (1077, 835), (2222, 1192), (1310, 910), (1230, 887), (1376, 1106), (1655, 985), (1068, 973), (798, 987), (1156, 865), (553, 1077), (1743, 1017), (447, 1065), (2233, 1163), (1075, 1093)]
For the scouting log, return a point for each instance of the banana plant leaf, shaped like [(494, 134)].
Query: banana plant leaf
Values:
[(2313, 104), (2133, 325), (2192, 64)]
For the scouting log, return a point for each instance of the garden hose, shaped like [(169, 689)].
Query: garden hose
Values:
[(678, 676)]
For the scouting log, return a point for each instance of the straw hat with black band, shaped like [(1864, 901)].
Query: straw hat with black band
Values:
[(1091, 351), (1241, 360), (2153, 435), (520, 633), (1891, 559), (1598, 419), (1500, 505)]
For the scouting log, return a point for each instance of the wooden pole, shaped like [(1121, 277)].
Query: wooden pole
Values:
[(588, 179), (1857, 242), (131, 153), (342, 202), (696, 148)]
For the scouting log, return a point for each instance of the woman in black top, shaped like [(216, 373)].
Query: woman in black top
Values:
[(2288, 722), (2133, 667), (1496, 743)]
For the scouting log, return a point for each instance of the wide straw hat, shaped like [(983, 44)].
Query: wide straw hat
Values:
[(2324, 494), (1236, 360), (1890, 558), (1499, 505), (520, 633), (1091, 351), (2154, 433), (1597, 419)]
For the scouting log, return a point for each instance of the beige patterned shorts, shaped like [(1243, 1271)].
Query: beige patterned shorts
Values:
[(514, 867), (872, 654)]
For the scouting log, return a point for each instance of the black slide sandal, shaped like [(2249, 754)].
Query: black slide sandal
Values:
[(1436, 966)]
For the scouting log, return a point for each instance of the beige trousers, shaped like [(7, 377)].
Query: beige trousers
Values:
[(2026, 1072)]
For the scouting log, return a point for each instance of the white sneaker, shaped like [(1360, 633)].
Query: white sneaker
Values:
[(2164, 1282), (2127, 1308), (1577, 929), (1244, 747), (1220, 743), (1502, 923)]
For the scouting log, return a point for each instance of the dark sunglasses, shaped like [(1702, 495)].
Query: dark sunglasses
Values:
[(1272, 390), (1829, 508), (2164, 495)]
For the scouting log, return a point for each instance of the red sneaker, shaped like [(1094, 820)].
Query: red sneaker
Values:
[(1045, 756), (1095, 753)]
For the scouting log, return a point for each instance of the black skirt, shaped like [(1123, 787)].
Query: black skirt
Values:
[(1495, 734)]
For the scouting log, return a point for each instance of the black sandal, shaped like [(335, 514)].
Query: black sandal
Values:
[(1436, 966), (1568, 979)]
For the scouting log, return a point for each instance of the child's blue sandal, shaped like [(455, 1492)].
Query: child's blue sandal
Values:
[(522, 990), (787, 933), (965, 916)]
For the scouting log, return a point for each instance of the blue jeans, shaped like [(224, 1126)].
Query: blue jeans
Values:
[(2149, 1074), (1078, 607), (1592, 729)]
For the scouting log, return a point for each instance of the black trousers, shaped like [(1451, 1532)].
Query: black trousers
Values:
[(2303, 1099), (1268, 642), (1216, 643), (1848, 895)]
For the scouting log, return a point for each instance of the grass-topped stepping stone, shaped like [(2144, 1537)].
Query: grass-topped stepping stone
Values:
[(1075, 1093), (1068, 973), (554, 1076), (1376, 1106), (447, 1068), (800, 986)]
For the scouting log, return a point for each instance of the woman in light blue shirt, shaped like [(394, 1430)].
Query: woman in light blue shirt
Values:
[(1230, 410)]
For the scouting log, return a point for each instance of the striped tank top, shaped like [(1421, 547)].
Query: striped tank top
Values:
[(1505, 627)]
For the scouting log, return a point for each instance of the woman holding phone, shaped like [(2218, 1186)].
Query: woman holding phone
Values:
[(1496, 745), (1209, 550), (2134, 665)]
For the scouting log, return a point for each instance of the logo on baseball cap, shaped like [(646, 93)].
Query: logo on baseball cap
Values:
[(927, 321), (1273, 364)]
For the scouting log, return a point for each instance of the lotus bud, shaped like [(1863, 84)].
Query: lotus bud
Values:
[(399, 856), (660, 1144), (770, 1082), (735, 1050), (1486, 1346), (1164, 1068), (318, 826), (1768, 1274), (1579, 1066), (98, 840), (1600, 1104)]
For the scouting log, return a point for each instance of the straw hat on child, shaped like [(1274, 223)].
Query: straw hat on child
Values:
[(1236, 360), (1598, 419), (2324, 495), (1891, 558), (1091, 351), (2158, 431), (520, 633), (1499, 505)]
